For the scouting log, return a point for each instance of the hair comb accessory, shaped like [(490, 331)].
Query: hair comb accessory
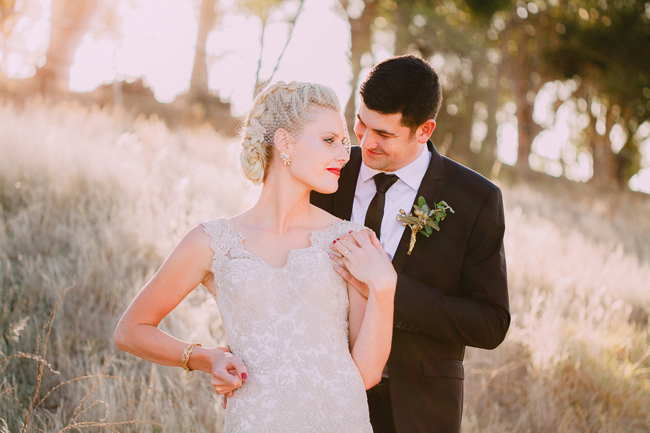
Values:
[(311, 125), (255, 131)]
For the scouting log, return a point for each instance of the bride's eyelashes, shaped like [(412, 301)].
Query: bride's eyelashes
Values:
[(332, 141)]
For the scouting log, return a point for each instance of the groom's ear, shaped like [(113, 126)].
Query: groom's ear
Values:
[(424, 131), (282, 140)]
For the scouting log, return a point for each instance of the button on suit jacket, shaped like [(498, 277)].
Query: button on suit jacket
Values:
[(451, 291)]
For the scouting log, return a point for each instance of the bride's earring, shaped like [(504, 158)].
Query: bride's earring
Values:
[(286, 159)]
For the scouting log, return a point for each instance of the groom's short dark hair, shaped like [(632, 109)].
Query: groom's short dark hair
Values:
[(404, 84)]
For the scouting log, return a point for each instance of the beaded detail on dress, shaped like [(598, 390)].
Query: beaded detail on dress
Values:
[(289, 325)]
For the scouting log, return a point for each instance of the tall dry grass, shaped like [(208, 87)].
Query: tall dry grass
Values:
[(93, 200), (577, 356)]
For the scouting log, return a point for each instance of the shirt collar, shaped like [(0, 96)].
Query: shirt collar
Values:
[(411, 174)]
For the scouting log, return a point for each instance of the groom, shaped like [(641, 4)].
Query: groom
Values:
[(451, 290)]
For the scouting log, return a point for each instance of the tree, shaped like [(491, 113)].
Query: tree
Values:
[(614, 76), (457, 31), (199, 80), (70, 21), (7, 19), (360, 44), (264, 9)]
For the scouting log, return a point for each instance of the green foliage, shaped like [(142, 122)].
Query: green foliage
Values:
[(608, 49), (485, 10), (425, 219), (505, 51), (262, 8), (604, 46)]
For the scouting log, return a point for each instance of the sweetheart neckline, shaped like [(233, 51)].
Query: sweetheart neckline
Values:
[(240, 236)]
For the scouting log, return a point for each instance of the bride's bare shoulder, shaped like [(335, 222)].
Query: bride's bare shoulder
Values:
[(197, 239), (325, 218)]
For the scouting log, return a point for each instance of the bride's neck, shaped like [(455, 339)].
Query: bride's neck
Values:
[(283, 204)]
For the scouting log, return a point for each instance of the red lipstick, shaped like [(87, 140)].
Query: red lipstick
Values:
[(336, 171)]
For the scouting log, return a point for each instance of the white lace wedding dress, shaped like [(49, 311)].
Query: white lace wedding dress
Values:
[(289, 326)]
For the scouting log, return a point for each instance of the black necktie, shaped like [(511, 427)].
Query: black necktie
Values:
[(375, 212)]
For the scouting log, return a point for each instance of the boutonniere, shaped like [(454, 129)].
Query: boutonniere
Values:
[(425, 220)]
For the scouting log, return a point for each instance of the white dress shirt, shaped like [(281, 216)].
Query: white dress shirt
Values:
[(399, 196)]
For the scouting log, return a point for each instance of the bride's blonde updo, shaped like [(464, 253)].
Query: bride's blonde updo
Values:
[(278, 106)]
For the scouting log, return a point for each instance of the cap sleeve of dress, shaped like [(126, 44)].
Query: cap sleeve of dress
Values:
[(220, 241), (323, 239)]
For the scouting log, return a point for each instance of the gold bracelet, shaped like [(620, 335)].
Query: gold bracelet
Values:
[(187, 352)]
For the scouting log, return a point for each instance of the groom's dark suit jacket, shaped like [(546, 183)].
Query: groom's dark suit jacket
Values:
[(451, 291)]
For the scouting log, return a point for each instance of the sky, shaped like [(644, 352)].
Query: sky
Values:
[(156, 41)]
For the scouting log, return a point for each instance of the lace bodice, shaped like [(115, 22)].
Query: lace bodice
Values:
[(289, 325)]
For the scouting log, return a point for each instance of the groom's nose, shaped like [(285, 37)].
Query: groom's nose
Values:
[(369, 140), (360, 131)]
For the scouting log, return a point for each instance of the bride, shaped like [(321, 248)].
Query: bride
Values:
[(303, 346)]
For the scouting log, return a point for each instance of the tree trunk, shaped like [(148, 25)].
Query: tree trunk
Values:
[(628, 159), (488, 154), (199, 81), (6, 11), (604, 159), (402, 19), (286, 44), (70, 21), (521, 68), (527, 128), (460, 149), (360, 43), (525, 133)]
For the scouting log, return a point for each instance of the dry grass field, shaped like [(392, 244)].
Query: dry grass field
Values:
[(92, 200)]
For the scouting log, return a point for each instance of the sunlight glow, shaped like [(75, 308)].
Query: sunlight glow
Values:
[(157, 40), (641, 181), (507, 141), (235, 46), (15, 64), (93, 65), (549, 143), (28, 40), (479, 132), (555, 150), (618, 137), (316, 53), (543, 113)]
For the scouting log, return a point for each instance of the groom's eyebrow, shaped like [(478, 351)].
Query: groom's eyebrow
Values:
[(378, 131)]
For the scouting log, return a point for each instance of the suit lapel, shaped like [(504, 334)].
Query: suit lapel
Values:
[(431, 188), (344, 197)]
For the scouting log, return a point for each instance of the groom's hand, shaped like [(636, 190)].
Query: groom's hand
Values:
[(340, 268), (364, 264)]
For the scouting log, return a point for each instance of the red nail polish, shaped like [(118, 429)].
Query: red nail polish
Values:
[(335, 241), (244, 376), (350, 231)]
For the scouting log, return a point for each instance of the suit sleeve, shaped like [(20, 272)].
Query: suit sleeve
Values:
[(480, 316)]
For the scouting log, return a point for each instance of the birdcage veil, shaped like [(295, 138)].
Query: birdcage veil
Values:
[(308, 112)]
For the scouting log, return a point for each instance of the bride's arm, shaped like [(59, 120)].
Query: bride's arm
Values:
[(357, 311), (371, 319), (187, 266)]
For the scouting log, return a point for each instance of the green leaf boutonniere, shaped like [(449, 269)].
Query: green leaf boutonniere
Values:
[(425, 220)]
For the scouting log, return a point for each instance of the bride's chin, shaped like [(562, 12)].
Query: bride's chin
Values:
[(326, 189)]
